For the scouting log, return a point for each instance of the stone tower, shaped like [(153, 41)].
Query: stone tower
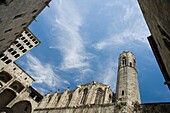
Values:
[(127, 88)]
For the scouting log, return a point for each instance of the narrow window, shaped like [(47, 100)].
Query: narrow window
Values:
[(4, 58), (99, 96), (28, 43), (29, 34), (31, 37), (2, 55), (17, 55), (10, 49), (15, 42), (21, 48), (14, 52), (36, 42), (24, 50), (22, 38), (26, 32), (25, 41), (130, 64), (18, 45), (122, 93), (84, 98), (23, 24), (8, 30), (16, 33), (30, 46), (124, 61), (34, 11), (8, 61), (19, 16)]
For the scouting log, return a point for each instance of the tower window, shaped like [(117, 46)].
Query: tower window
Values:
[(124, 61), (24, 50), (17, 55), (4, 58), (21, 48), (130, 64), (22, 38), (123, 93)]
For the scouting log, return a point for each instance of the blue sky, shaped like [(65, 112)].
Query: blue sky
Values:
[(81, 41)]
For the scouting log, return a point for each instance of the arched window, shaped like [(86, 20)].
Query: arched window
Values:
[(130, 64), (5, 77), (69, 99), (99, 96), (124, 61), (84, 98), (17, 86)]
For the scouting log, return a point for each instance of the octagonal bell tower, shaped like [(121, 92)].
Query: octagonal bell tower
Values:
[(127, 88)]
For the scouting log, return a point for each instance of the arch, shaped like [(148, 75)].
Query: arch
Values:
[(84, 98), (99, 96), (5, 77), (69, 99), (6, 110), (124, 61), (17, 86), (110, 98), (22, 107), (6, 97)]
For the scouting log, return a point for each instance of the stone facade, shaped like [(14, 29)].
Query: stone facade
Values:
[(157, 16), (15, 17), (21, 46), (87, 94), (16, 92)]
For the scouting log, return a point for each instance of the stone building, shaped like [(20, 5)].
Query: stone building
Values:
[(16, 15), (24, 43), (16, 93), (157, 16)]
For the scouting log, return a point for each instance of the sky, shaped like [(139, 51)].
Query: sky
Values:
[(81, 41)]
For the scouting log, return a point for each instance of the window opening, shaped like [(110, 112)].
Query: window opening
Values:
[(10, 49), (122, 93), (4, 58), (8, 30), (19, 16), (21, 48), (17, 55), (34, 11), (124, 61), (24, 50), (14, 52), (8, 61)]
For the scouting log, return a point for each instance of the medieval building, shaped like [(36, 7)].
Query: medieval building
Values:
[(18, 96)]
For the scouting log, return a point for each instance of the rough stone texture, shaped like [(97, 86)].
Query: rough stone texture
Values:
[(15, 16), (15, 92), (127, 89), (97, 94), (155, 108), (21, 46), (105, 108), (157, 16)]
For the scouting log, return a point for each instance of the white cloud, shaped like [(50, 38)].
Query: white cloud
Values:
[(134, 30), (108, 75), (43, 72), (69, 41)]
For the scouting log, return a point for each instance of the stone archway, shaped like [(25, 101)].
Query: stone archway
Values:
[(22, 107), (6, 97)]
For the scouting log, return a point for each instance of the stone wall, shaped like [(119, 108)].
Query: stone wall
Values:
[(105, 108), (157, 16)]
